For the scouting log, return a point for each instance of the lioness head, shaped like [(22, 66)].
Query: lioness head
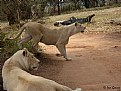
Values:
[(28, 61), (79, 27)]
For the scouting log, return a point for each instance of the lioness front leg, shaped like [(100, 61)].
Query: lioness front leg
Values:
[(62, 50)]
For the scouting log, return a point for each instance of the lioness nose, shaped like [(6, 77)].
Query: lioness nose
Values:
[(34, 67), (82, 31), (84, 27)]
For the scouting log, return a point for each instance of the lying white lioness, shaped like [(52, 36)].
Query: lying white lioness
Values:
[(16, 78), (39, 33)]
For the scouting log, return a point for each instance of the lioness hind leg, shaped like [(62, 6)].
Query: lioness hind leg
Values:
[(25, 39), (62, 50), (35, 47), (36, 40), (35, 44)]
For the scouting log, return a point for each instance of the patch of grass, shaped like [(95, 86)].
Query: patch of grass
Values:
[(9, 47), (83, 13)]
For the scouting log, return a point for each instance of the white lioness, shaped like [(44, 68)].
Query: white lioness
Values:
[(16, 78), (39, 33)]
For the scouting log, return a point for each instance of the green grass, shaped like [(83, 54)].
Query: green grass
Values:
[(9, 47)]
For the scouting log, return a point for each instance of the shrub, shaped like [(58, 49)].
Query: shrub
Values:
[(9, 47)]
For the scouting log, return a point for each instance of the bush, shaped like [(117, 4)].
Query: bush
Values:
[(9, 47)]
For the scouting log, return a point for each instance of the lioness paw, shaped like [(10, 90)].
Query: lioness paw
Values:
[(78, 89), (68, 59)]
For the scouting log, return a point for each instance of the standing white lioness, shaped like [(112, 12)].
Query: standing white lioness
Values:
[(16, 78), (57, 37)]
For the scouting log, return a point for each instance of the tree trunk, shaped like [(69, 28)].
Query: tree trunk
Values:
[(12, 11), (87, 3), (116, 1), (59, 11)]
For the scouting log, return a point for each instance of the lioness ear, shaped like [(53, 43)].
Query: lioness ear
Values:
[(76, 24), (25, 52)]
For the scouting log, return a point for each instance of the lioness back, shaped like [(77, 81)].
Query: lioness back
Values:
[(57, 37)]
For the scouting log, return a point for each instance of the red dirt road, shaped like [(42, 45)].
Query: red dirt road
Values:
[(95, 65)]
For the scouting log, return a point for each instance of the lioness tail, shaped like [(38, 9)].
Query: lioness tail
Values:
[(21, 30)]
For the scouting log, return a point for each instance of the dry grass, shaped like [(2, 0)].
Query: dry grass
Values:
[(98, 22)]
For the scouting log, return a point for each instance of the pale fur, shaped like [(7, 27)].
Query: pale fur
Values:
[(16, 78), (57, 37)]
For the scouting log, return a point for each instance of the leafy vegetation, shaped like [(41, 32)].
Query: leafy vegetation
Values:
[(9, 47)]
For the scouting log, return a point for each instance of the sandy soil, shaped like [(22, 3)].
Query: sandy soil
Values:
[(96, 64)]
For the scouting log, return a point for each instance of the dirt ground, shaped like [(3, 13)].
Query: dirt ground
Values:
[(95, 65)]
